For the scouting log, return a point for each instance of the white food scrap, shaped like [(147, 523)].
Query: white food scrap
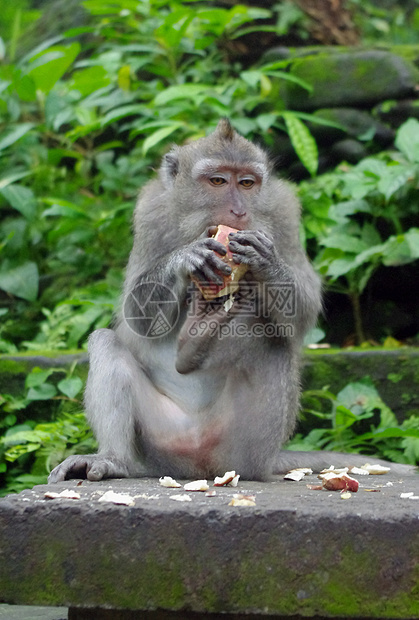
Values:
[(122, 499), (334, 470), (294, 475), (406, 495), (359, 471), (243, 500), (375, 470), (346, 495), (181, 498), (196, 485), (66, 494), (229, 477), (170, 483), (235, 481), (298, 473)]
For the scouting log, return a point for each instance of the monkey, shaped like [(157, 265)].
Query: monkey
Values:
[(218, 389)]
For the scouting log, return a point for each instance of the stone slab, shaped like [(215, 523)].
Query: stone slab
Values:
[(298, 551)]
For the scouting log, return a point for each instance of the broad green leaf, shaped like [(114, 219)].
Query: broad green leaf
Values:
[(397, 177), (38, 377), (265, 121), (63, 208), (89, 80), (345, 243), (21, 281), (71, 386), (48, 43), (344, 417), (6, 181), (289, 77), (407, 140), (20, 198), (159, 135), (412, 239), (122, 112), (45, 391), (340, 267), (181, 91), (397, 251), (25, 88), (13, 134), (252, 78), (51, 65), (303, 142)]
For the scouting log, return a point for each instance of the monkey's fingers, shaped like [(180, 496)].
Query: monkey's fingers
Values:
[(72, 467), (246, 243)]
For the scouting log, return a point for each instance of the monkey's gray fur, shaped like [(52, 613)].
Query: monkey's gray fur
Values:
[(196, 407)]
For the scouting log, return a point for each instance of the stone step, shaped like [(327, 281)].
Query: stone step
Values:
[(296, 552)]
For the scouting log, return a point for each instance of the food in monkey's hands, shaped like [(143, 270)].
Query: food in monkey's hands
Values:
[(231, 283)]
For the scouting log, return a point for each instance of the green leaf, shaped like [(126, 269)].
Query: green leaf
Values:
[(265, 121), (396, 178), (344, 417), (20, 198), (48, 67), (121, 112), (353, 245), (340, 267), (407, 140), (181, 91), (159, 135), (71, 386), (46, 391), (21, 281), (5, 181), (303, 142), (412, 239), (13, 134), (89, 80), (38, 377)]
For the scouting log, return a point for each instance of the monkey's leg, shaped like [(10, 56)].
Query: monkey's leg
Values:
[(200, 329), (121, 404)]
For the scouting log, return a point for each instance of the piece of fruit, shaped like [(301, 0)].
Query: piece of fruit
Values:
[(340, 482), (230, 283)]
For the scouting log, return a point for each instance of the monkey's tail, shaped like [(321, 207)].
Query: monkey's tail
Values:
[(318, 460)]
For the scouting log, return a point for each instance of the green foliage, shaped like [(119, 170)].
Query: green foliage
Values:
[(361, 217), (395, 22), (356, 420), (83, 116), (29, 449)]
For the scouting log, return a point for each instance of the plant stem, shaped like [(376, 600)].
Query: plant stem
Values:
[(356, 309)]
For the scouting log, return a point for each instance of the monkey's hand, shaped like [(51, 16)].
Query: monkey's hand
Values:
[(201, 259), (90, 466), (256, 249)]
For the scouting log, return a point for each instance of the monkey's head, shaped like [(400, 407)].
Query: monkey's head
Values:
[(218, 179)]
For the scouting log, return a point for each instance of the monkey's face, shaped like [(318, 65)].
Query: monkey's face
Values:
[(230, 192), (220, 179)]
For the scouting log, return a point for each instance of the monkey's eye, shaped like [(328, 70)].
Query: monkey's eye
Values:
[(217, 181), (247, 183)]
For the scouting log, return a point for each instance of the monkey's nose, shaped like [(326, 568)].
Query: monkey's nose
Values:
[(238, 212)]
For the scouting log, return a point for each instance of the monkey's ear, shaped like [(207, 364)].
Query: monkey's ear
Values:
[(225, 130), (169, 167)]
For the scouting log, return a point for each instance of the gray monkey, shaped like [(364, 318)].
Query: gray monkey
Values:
[(217, 389)]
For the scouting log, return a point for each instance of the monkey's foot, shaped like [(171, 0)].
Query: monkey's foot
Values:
[(90, 466)]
